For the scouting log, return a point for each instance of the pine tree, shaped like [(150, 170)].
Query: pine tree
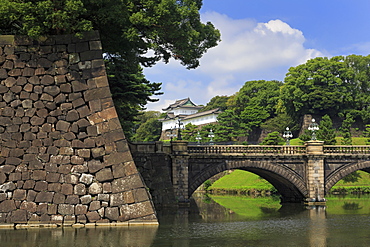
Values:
[(273, 138), (326, 131), (346, 130)]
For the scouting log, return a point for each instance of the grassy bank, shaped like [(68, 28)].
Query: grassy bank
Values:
[(243, 182)]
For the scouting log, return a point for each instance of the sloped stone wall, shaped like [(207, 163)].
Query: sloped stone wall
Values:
[(64, 158)]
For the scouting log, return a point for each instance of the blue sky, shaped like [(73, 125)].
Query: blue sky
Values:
[(261, 40)]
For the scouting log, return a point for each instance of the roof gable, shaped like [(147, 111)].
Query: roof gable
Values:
[(182, 102)]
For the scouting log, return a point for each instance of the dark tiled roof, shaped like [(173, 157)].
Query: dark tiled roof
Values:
[(182, 102)]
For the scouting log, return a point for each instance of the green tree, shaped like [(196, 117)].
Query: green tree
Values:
[(360, 67), (146, 127), (346, 130), (279, 123), (216, 102), (252, 105), (326, 131), (320, 86), (149, 131), (273, 138), (190, 132), (367, 133)]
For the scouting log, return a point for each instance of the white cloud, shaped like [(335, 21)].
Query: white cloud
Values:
[(248, 51), (248, 46)]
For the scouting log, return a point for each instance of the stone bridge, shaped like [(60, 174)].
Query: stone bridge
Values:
[(299, 173)]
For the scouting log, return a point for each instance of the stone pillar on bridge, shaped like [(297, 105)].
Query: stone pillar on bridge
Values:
[(315, 171), (180, 170)]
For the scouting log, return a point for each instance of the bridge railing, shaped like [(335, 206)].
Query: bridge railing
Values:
[(338, 149), (249, 149)]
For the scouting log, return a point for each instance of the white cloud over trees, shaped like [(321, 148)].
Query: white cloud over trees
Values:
[(248, 51)]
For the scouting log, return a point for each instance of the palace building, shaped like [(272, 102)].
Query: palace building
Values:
[(185, 112)]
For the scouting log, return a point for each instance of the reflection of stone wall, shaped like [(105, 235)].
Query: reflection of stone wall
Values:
[(63, 155)]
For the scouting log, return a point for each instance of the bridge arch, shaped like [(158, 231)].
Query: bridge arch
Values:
[(289, 183), (344, 171)]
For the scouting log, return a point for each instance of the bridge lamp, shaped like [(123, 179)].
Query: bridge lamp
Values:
[(171, 134), (287, 135), (211, 135), (198, 138), (313, 127), (179, 131)]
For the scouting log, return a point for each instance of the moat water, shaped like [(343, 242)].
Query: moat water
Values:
[(222, 221)]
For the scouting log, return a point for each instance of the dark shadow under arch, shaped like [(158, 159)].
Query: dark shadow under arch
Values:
[(289, 184)]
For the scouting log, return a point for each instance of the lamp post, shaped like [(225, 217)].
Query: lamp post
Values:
[(171, 134), (287, 135), (211, 135), (179, 131), (198, 138), (313, 127)]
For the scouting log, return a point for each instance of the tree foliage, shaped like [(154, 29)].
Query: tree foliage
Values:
[(273, 138), (326, 131), (346, 130), (216, 102), (320, 86), (253, 104)]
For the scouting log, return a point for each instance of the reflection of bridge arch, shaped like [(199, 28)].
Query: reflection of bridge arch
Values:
[(344, 170), (288, 182)]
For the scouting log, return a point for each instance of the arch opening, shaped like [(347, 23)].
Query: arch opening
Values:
[(290, 185)]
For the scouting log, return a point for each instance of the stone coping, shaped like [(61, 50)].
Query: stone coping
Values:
[(132, 223)]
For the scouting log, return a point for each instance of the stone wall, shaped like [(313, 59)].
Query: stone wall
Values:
[(155, 166), (64, 159)]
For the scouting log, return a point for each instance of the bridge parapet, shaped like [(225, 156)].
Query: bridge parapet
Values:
[(246, 150), (341, 150)]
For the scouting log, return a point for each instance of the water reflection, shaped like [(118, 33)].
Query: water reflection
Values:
[(83, 237), (221, 221)]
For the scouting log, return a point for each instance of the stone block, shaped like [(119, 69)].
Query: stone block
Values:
[(18, 216), (116, 199), (52, 209), (95, 188), (107, 188), (7, 206), (86, 178), (94, 206), (62, 125), (126, 183), (29, 206), (59, 198), (79, 189), (80, 209), (94, 166), (38, 175), (44, 196), (66, 209), (112, 213), (19, 195), (104, 175), (86, 199), (72, 199), (67, 189), (10, 186), (93, 216), (56, 219), (29, 184), (31, 195), (52, 177)]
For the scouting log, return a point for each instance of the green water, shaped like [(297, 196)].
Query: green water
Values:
[(223, 221)]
